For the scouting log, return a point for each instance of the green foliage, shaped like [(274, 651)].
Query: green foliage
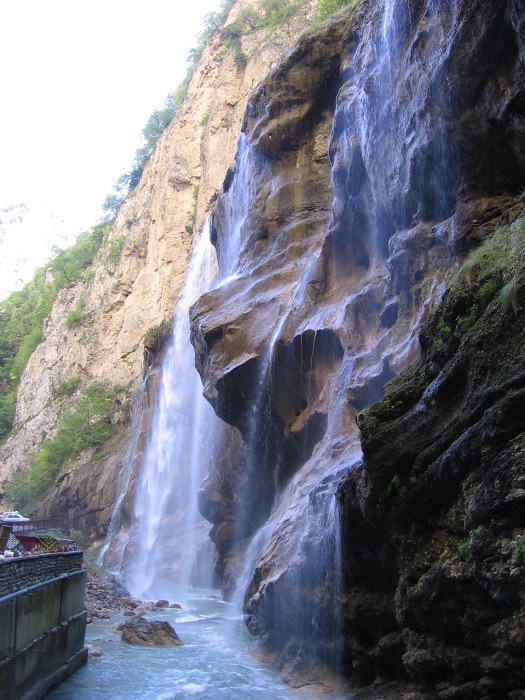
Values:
[(467, 322), (390, 488), (66, 388), (27, 347), (158, 333), (248, 20), (240, 58), (75, 317), (23, 313), (464, 549), (495, 265), (67, 265), (386, 409), (486, 292), (160, 119), (7, 412), (326, 8), (509, 295), (464, 552), (112, 203), (113, 250), (491, 272), (87, 425), (443, 329), (519, 548), (277, 12)]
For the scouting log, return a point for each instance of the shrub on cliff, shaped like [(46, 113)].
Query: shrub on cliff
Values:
[(84, 426), (494, 266), (23, 313), (326, 8), (276, 12), (160, 119)]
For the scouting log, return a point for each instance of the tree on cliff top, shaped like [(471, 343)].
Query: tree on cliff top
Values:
[(160, 119)]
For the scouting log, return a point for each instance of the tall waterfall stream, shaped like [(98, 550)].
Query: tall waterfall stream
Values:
[(169, 536)]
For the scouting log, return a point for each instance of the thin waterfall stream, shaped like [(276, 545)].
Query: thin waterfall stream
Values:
[(298, 441)]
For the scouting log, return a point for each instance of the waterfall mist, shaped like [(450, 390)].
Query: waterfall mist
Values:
[(335, 232), (341, 322), (168, 541)]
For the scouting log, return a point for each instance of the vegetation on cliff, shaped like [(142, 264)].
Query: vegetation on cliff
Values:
[(326, 8), (87, 423), (23, 313), (444, 481), (160, 119), (267, 14)]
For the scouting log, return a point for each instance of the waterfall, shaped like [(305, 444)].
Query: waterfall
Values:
[(343, 321), (112, 552), (382, 190), (236, 216), (170, 537)]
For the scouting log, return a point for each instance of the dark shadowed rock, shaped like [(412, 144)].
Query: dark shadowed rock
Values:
[(348, 243), (143, 633)]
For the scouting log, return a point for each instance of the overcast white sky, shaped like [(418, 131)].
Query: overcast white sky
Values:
[(78, 82)]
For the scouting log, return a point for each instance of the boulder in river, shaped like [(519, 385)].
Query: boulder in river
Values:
[(143, 633)]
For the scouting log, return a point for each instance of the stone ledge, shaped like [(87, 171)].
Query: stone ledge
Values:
[(19, 573)]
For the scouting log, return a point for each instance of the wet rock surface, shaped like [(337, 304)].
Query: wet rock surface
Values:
[(442, 480), (105, 596), (143, 633), (403, 563)]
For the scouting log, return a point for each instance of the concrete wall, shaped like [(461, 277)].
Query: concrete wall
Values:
[(42, 625)]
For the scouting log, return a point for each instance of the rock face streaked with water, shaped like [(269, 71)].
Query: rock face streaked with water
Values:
[(126, 295), (421, 108), (366, 486)]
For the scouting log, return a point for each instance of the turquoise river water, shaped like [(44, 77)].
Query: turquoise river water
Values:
[(214, 662)]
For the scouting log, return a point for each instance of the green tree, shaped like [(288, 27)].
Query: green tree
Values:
[(85, 426), (276, 12), (67, 265), (161, 118), (326, 8), (23, 313)]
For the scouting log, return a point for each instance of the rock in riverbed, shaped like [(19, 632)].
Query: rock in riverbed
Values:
[(143, 633)]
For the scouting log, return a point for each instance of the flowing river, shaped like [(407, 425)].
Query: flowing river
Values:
[(213, 664)]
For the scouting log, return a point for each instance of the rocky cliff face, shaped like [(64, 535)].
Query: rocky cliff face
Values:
[(136, 280), (382, 149), (367, 495)]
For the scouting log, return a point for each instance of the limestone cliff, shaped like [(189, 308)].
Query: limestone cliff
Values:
[(382, 149), (136, 279), (363, 340)]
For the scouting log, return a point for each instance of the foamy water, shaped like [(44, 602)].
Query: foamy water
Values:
[(213, 664)]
